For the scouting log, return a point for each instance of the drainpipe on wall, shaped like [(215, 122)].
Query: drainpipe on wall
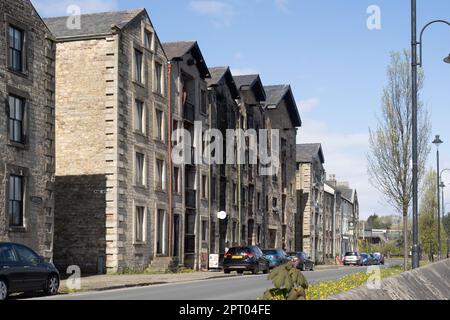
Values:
[(238, 153), (169, 147)]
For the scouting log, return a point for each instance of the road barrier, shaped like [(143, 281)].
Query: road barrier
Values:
[(431, 282)]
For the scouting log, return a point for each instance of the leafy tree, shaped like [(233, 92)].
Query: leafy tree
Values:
[(390, 156)]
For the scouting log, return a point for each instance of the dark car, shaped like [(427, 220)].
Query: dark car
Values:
[(276, 257), (242, 259), (365, 259), (379, 258), (22, 270), (302, 261)]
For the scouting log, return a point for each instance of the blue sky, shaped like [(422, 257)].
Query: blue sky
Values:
[(323, 48)]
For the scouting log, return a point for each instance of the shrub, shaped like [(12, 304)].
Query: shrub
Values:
[(289, 282)]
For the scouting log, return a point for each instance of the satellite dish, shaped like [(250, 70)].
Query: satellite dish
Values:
[(222, 215)]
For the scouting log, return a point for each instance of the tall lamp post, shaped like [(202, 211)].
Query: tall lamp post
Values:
[(437, 142), (442, 186), (415, 155)]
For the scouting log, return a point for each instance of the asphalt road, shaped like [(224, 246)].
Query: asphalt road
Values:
[(246, 287)]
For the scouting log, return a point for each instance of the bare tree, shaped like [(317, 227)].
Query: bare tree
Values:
[(390, 157)]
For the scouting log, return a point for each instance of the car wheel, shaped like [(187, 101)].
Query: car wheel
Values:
[(52, 286), (3, 290), (227, 271), (303, 268), (241, 272), (312, 267), (266, 270), (255, 271)]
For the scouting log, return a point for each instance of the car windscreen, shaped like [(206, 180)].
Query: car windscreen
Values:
[(350, 254), (270, 252)]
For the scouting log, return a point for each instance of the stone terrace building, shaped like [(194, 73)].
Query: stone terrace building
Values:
[(252, 99), (281, 199), (310, 186), (27, 156), (194, 201), (223, 97), (111, 142)]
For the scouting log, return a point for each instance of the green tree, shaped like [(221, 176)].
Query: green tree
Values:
[(390, 156), (428, 225), (446, 223)]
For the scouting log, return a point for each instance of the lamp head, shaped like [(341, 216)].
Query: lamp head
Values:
[(447, 59), (442, 185), (437, 141)]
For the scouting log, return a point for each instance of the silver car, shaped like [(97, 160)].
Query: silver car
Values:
[(352, 259)]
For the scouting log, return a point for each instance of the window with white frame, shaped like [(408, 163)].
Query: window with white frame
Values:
[(16, 198), (148, 39), (159, 125), (16, 119), (159, 174), (158, 86), (138, 66), (139, 173), (139, 224), (139, 117), (176, 180), (16, 49)]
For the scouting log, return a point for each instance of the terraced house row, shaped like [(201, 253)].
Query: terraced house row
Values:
[(93, 115)]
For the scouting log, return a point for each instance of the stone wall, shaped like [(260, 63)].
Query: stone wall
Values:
[(35, 158), (80, 225), (431, 282)]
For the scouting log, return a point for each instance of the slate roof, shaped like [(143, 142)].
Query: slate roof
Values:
[(276, 94), (306, 152), (177, 50), (92, 24), (252, 81), (219, 73)]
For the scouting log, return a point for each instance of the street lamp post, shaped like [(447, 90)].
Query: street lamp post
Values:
[(437, 142), (442, 186), (415, 155)]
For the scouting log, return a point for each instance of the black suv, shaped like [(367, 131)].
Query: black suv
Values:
[(22, 270), (242, 259)]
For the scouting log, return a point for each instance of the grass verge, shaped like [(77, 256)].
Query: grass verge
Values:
[(324, 290)]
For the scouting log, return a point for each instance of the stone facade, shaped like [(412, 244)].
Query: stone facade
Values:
[(282, 115), (310, 183), (27, 158), (106, 149)]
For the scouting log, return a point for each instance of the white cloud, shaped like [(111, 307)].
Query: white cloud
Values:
[(220, 13), (345, 156), (243, 71), (309, 104), (51, 8), (282, 5)]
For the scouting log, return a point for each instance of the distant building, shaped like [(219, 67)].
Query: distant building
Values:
[(310, 209)]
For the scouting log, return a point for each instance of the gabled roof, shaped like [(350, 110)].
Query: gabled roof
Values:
[(219, 73), (177, 50), (92, 24), (307, 152), (276, 94), (251, 82)]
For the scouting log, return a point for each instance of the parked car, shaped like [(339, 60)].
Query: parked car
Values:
[(302, 261), (365, 259), (352, 258), (276, 257), (242, 259), (22, 270), (379, 257)]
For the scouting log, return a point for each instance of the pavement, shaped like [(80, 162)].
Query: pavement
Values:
[(191, 286)]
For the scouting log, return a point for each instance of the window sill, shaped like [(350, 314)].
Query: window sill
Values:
[(139, 243), (141, 134), (141, 187), (159, 190), (18, 229), (161, 95), (140, 84), (17, 145), (23, 74)]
